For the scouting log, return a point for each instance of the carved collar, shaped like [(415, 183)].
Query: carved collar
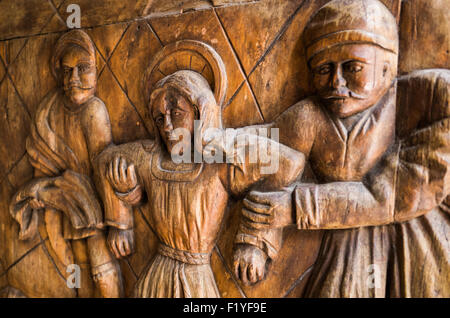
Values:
[(388, 100), (166, 170)]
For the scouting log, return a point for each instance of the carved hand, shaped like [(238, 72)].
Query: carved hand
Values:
[(121, 175), (36, 204), (249, 263), (121, 242), (268, 210)]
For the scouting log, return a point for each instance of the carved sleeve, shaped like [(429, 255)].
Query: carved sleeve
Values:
[(118, 213), (273, 168), (295, 130), (286, 165), (96, 128), (118, 210)]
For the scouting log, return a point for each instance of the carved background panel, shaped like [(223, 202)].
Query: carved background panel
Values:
[(260, 44)]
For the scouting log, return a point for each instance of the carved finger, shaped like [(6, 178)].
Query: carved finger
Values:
[(114, 248), (243, 273), (260, 272), (251, 272), (265, 198), (131, 175), (131, 241), (255, 225), (110, 245), (256, 217), (236, 268), (112, 239), (126, 247), (123, 170), (257, 207), (116, 170), (121, 247), (111, 174), (36, 204)]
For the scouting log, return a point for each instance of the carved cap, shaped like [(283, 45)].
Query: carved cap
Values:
[(342, 22), (74, 37)]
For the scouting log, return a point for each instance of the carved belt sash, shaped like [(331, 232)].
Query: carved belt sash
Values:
[(184, 256)]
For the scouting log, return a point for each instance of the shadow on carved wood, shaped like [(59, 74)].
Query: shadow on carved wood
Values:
[(373, 142), (364, 159), (184, 178), (70, 128)]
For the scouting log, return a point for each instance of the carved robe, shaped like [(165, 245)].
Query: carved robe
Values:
[(61, 147)]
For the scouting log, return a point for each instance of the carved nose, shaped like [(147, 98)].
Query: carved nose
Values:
[(168, 123), (74, 75), (338, 80)]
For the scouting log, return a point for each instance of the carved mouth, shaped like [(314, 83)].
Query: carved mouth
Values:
[(172, 138), (342, 97), (79, 87), (336, 97)]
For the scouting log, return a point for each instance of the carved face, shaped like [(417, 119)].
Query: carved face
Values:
[(170, 111), (351, 78), (79, 74)]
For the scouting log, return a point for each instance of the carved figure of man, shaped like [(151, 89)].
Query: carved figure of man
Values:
[(368, 172), (185, 202), (70, 128)]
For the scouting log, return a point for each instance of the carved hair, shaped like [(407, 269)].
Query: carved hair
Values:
[(72, 38)]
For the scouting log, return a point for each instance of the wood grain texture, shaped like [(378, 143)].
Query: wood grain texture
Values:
[(427, 23), (24, 18), (261, 44), (201, 26)]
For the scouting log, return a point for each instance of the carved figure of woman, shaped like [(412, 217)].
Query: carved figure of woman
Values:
[(184, 202)]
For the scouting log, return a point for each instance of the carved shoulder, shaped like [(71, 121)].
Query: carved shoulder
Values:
[(305, 108), (96, 110), (298, 124), (96, 126)]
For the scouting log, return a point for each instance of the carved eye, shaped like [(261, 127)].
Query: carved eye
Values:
[(67, 70), (159, 120), (353, 67), (323, 70), (176, 113), (83, 68)]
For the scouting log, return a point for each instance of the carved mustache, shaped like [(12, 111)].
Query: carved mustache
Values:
[(172, 137), (78, 85), (343, 93)]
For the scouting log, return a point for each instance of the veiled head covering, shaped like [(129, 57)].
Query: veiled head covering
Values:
[(196, 89), (75, 37), (351, 22)]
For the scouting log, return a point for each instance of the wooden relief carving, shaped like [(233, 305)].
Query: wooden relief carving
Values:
[(362, 158), (381, 176)]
